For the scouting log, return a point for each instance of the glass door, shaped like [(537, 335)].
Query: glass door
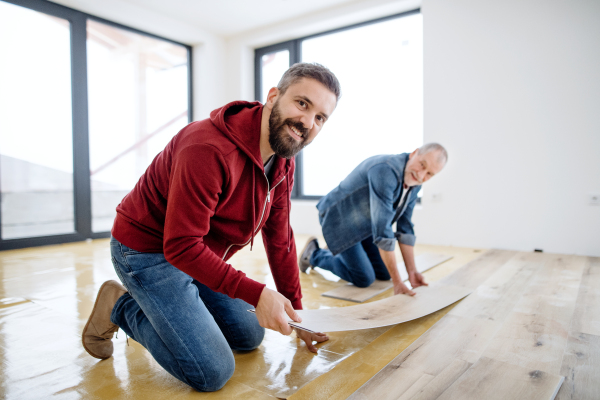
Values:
[(36, 132)]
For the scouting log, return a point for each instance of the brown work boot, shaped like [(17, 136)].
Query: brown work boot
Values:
[(98, 332)]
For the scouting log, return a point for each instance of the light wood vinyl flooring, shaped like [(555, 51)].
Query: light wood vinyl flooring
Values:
[(531, 324)]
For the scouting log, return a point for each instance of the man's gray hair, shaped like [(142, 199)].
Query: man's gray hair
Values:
[(429, 147), (313, 71)]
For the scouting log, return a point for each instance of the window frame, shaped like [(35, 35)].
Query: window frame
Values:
[(82, 194), (294, 47)]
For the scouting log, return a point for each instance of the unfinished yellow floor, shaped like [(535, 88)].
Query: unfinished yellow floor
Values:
[(47, 293)]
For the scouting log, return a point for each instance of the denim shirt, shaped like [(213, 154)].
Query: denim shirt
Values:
[(366, 203)]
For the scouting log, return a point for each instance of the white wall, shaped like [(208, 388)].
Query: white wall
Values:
[(512, 88)]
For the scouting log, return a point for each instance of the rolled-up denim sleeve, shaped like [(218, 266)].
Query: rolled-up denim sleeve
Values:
[(382, 183), (405, 232)]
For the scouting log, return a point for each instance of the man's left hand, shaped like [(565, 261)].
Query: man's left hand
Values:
[(416, 279), (309, 337)]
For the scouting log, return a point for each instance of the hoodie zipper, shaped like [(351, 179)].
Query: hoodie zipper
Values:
[(268, 199)]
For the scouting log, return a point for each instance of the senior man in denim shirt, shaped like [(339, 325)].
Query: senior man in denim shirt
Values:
[(357, 218)]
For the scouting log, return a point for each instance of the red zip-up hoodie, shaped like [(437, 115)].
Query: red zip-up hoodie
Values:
[(205, 196)]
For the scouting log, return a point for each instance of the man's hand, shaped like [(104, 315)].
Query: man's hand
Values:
[(272, 311), (401, 288), (416, 279), (309, 337)]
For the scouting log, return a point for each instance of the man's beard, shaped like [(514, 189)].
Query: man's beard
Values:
[(280, 140)]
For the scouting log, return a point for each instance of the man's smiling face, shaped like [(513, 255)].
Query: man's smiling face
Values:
[(298, 115), (422, 167)]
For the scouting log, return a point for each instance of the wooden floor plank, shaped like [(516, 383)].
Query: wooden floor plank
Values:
[(477, 271), (497, 296), (581, 368), (513, 329), (416, 387), (494, 380), (535, 334), (388, 387), (353, 293), (450, 339), (440, 383), (390, 311), (586, 318)]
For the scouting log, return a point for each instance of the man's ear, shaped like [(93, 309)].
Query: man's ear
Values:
[(411, 155), (272, 97)]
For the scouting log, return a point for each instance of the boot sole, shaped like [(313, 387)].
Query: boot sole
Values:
[(89, 321), (308, 242)]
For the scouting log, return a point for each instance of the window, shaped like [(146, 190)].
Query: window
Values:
[(141, 83), (85, 105), (380, 67)]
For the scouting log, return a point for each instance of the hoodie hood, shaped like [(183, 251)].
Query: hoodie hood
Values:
[(232, 119)]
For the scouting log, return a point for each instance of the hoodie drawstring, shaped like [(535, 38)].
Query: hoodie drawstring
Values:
[(253, 206), (289, 196)]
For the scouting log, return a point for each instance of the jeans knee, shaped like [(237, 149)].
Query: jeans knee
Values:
[(251, 340), (364, 281), (216, 374)]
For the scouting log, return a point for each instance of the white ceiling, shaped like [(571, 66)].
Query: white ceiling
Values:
[(230, 17)]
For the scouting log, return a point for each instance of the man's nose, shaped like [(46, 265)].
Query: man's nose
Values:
[(308, 120)]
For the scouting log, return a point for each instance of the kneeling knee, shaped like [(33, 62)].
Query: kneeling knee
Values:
[(364, 282), (251, 340), (216, 374)]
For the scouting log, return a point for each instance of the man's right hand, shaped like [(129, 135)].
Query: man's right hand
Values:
[(401, 288), (272, 311)]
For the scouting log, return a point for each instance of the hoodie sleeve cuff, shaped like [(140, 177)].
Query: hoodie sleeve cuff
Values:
[(297, 304), (249, 290)]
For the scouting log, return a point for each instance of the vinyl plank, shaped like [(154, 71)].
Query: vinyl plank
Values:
[(586, 318), (518, 318), (416, 387), (535, 334), (440, 383), (495, 298), (350, 292), (495, 380), (553, 291), (404, 380), (390, 311), (453, 339), (581, 368), (477, 271)]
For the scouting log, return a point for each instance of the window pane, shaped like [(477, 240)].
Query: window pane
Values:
[(138, 100), (380, 68), (273, 67), (36, 136)]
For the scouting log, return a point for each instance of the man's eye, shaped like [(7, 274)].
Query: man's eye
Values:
[(302, 103)]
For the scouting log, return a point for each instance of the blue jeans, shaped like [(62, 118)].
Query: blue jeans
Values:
[(360, 265), (189, 329)]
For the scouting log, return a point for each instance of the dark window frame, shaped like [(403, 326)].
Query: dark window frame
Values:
[(82, 195), (295, 48)]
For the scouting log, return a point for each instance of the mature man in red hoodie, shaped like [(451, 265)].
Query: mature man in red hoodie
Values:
[(205, 196)]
